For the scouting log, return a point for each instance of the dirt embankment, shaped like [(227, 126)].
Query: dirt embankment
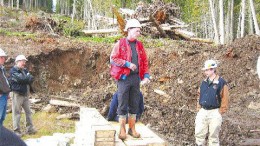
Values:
[(66, 68), (81, 71)]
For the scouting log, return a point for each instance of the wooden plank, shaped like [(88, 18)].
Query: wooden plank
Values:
[(120, 143), (135, 142), (104, 144), (100, 31), (63, 103), (148, 137), (103, 131), (108, 139), (104, 134)]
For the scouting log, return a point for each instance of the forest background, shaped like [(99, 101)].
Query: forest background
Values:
[(219, 20)]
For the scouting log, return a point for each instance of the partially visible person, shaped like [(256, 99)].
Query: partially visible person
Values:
[(4, 87), (212, 104), (20, 80), (9, 138), (112, 114)]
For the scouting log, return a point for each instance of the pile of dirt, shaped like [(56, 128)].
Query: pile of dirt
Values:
[(67, 68), (81, 71)]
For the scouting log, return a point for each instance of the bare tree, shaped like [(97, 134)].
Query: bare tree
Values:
[(243, 7), (254, 17), (221, 22), (17, 4), (73, 11), (214, 21), (231, 20), (2, 2), (123, 3), (89, 15), (250, 20), (239, 24), (227, 23)]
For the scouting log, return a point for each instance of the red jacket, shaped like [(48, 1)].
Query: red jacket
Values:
[(121, 57)]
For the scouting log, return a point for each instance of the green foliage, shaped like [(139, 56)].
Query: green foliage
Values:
[(44, 127), (15, 33), (67, 27), (100, 39), (152, 43), (257, 10), (72, 29)]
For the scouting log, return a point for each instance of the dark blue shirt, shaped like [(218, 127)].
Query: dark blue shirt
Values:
[(210, 93)]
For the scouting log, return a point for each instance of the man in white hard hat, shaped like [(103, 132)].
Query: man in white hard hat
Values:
[(4, 87), (20, 80), (212, 104), (129, 66)]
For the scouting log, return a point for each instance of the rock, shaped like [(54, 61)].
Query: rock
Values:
[(50, 109), (254, 105)]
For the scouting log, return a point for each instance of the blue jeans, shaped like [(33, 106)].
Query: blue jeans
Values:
[(3, 105)]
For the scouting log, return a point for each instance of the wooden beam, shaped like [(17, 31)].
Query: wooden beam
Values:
[(63, 103), (157, 25), (100, 31)]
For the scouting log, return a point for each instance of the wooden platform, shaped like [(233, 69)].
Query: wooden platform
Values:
[(94, 130), (148, 137)]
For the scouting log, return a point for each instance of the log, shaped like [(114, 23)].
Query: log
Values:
[(173, 27), (178, 21), (209, 41), (63, 103), (155, 22), (188, 36), (144, 20), (256, 130), (100, 31), (74, 115), (182, 34)]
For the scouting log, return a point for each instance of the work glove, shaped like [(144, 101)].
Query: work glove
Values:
[(29, 77), (145, 81)]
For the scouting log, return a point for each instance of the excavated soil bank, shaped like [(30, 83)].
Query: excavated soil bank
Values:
[(81, 71)]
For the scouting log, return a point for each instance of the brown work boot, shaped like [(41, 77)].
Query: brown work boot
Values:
[(122, 131), (131, 130)]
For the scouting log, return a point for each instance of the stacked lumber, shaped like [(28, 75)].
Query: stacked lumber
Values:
[(104, 135), (93, 129)]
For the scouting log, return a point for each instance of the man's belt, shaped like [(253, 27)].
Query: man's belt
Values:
[(209, 107)]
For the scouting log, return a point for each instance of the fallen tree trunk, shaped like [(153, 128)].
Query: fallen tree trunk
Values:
[(100, 31), (173, 27), (209, 41), (157, 25), (63, 103), (187, 36)]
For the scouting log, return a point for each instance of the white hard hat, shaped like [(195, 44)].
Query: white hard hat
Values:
[(132, 23), (2, 53), (20, 57), (210, 64)]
